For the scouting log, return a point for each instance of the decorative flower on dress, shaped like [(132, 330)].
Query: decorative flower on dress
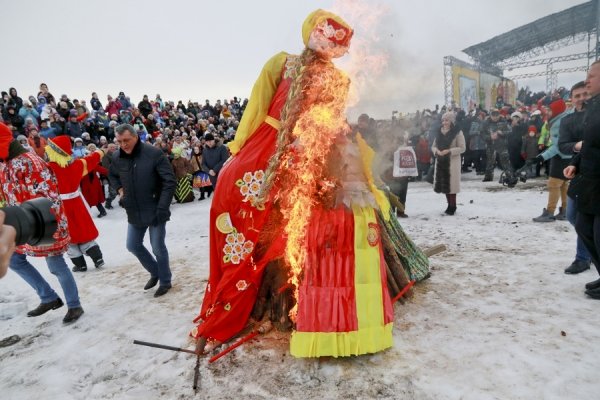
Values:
[(242, 285), (250, 186), (236, 248), (373, 234)]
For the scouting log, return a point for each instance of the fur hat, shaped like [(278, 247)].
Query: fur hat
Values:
[(59, 150)]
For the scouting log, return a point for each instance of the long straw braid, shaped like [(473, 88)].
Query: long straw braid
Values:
[(289, 116)]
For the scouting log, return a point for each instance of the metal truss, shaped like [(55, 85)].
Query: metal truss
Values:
[(544, 61), (549, 71)]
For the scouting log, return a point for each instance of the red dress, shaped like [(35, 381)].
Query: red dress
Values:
[(235, 275), (91, 186), (81, 225)]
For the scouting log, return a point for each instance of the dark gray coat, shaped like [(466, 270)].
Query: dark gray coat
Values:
[(148, 183), (214, 158)]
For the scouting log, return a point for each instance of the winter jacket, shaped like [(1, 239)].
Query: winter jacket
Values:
[(571, 132), (148, 184), (586, 185), (214, 158), (554, 133), (25, 176)]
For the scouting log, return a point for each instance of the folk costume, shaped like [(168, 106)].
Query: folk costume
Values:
[(69, 173), (298, 192)]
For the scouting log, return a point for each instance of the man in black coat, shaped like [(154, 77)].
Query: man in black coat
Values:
[(144, 179), (586, 165), (214, 156), (569, 142)]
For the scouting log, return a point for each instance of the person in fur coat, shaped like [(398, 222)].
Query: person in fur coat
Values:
[(448, 145)]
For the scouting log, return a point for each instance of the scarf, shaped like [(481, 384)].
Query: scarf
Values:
[(442, 166)]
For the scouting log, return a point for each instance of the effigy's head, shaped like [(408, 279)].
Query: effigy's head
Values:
[(327, 34)]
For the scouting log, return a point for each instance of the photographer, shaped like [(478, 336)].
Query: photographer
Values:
[(24, 176), (495, 130), (7, 244)]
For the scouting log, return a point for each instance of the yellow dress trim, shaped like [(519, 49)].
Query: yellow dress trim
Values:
[(372, 335), (367, 154), (260, 99), (275, 123)]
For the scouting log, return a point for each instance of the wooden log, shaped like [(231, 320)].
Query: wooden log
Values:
[(437, 249)]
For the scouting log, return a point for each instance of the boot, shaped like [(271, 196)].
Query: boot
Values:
[(79, 264), (577, 266), (450, 210), (43, 308), (545, 217), (108, 204), (488, 179), (96, 255), (72, 315), (562, 214), (102, 210)]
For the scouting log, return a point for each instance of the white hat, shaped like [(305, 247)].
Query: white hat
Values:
[(516, 114), (536, 112)]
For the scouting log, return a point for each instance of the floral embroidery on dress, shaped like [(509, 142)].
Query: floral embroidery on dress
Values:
[(242, 285), (250, 185), (227, 307), (236, 248)]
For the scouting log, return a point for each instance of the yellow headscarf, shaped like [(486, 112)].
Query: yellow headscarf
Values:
[(315, 18)]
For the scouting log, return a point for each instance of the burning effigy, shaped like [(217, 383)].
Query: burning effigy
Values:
[(300, 233)]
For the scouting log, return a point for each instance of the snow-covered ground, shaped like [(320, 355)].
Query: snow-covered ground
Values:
[(497, 320)]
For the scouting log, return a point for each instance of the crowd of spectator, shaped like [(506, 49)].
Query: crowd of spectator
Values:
[(163, 123)]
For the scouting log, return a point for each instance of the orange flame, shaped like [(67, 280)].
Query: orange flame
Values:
[(305, 163)]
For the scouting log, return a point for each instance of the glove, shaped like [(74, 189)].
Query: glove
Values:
[(162, 215)]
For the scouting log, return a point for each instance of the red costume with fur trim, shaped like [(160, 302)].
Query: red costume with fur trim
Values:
[(81, 225)]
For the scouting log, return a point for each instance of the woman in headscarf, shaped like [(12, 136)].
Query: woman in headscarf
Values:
[(183, 169), (297, 196), (448, 145)]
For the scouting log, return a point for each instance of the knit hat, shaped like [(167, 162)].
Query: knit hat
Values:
[(209, 136), (558, 107), (532, 128), (6, 136), (449, 116), (59, 150)]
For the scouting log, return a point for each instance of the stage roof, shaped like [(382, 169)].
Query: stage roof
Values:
[(554, 27)]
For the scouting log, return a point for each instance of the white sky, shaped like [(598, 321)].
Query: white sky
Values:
[(186, 49)]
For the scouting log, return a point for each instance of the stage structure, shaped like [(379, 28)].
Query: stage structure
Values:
[(519, 48)]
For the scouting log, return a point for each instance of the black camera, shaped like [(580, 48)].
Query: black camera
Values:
[(33, 220), (511, 181)]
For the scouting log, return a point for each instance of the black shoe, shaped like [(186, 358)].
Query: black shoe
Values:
[(102, 214), (593, 293), (593, 285), (108, 206), (151, 283), (79, 264), (73, 315), (162, 290), (450, 210), (577, 267), (201, 198), (43, 308), (466, 170), (487, 179)]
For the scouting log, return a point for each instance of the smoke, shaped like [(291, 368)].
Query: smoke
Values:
[(385, 71)]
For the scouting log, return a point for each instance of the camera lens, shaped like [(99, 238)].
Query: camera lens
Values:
[(33, 220)]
